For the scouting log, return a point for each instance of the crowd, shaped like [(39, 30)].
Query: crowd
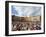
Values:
[(22, 26)]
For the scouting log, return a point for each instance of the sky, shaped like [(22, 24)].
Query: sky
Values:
[(26, 10)]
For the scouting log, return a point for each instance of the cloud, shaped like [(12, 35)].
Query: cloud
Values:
[(26, 10)]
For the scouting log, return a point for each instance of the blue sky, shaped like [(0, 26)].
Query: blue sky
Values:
[(26, 10)]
